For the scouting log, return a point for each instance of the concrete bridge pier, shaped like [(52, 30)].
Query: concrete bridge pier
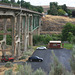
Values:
[(4, 36), (16, 31), (18, 42), (30, 31), (26, 42), (13, 23)]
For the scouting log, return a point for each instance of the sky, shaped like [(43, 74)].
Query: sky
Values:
[(70, 3)]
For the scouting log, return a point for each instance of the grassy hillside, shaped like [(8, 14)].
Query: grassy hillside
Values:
[(54, 23)]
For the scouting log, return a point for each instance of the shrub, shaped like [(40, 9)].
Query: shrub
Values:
[(9, 40), (28, 53), (8, 64), (23, 57), (72, 61), (29, 47), (18, 66), (44, 39), (73, 40), (69, 27), (37, 38), (8, 72), (24, 70), (61, 12), (1, 37), (10, 29), (47, 38), (70, 35), (56, 67), (67, 73), (39, 72)]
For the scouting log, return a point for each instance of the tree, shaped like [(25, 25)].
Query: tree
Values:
[(61, 12), (64, 7), (70, 35), (40, 9), (53, 4), (22, 2), (53, 8), (12, 1), (59, 7), (69, 27), (26, 5), (73, 13), (73, 40), (5, 1), (69, 12), (18, 2), (48, 11)]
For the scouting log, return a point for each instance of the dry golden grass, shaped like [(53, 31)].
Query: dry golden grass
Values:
[(55, 23), (59, 18)]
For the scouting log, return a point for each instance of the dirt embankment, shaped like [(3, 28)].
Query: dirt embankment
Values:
[(54, 24)]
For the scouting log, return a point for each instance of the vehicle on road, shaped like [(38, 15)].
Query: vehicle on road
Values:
[(42, 47), (7, 58), (35, 58)]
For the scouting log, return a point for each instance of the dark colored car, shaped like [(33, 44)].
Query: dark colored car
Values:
[(35, 58)]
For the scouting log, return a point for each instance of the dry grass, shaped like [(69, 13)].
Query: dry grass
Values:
[(3, 69), (59, 18), (55, 23)]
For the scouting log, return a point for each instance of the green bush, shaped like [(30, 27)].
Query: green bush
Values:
[(70, 35), (28, 53), (61, 12), (8, 72), (56, 36), (23, 57), (29, 47), (37, 38), (39, 72), (72, 61), (8, 64), (69, 27), (56, 67), (9, 40), (43, 39), (47, 38), (9, 29), (73, 40), (25, 70), (18, 66), (1, 37), (67, 73)]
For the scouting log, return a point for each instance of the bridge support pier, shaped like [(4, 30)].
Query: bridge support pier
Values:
[(4, 36)]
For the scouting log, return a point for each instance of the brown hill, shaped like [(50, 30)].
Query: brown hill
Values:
[(54, 24)]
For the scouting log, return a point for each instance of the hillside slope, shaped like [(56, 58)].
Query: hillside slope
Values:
[(54, 23)]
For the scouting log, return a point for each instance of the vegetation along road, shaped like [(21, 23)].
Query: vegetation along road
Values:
[(63, 55)]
